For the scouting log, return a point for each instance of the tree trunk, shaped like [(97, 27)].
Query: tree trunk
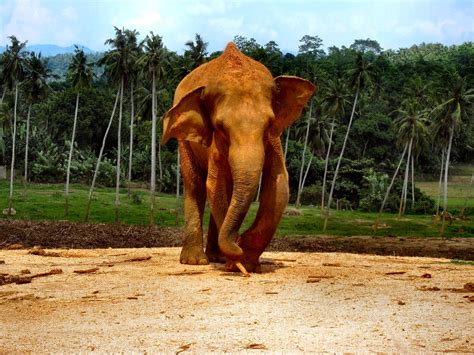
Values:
[(339, 160), (153, 151), (178, 178), (119, 156), (466, 197), (323, 191), (300, 180), (130, 157), (91, 190), (390, 186), (440, 186), (27, 143), (71, 149), (446, 168), (3, 95), (160, 167), (306, 172), (413, 181), (403, 199), (286, 141), (12, 167)]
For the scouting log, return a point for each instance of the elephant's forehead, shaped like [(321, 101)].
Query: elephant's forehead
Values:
[(231, 73)]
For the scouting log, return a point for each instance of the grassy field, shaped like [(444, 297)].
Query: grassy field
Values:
[(46, 201)]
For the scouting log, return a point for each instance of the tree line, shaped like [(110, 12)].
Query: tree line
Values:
[(377, 113)]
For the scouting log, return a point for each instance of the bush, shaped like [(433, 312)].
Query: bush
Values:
[(311, 195)]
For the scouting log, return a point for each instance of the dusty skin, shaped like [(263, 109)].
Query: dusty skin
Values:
[(110, 300)]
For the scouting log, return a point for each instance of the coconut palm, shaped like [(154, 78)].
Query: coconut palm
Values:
[(14, 68), (153, 61), (448, 117), (118, 65), (412, 128), (135, 48), (303, 155), (80, 74), (360, 77), (197, 51), (387, 193), (36, 88), (333, 104), (2, 80), (119, 62)]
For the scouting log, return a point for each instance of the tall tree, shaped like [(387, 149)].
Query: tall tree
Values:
[(196, 51), (360, 77), (36, 88), (153, 61), (134, 47), (449, 116), (303, 154), (80, 74), (412, 128), (334, 101), (14, 68), (119, 61)]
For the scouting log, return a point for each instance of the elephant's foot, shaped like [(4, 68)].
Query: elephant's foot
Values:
[(193, 255), (215, 257), (249, 262)]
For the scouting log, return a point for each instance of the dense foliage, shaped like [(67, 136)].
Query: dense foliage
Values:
[(418, 76)]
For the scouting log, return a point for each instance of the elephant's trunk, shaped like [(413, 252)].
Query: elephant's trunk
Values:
[(246, 166)]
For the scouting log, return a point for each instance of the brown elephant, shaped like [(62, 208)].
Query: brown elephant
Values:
[(228, 116)]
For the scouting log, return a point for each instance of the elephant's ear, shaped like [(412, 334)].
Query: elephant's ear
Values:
[(292, 93), (187, 120)]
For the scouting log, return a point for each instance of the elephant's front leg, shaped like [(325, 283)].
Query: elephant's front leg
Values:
[(274, 197), (219, 191), (194, 202)]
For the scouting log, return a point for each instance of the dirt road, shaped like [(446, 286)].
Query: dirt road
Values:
[(110, 300)]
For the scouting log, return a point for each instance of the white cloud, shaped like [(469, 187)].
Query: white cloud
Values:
[(144, 20), (206, 8), (30, 20), (227, 26)]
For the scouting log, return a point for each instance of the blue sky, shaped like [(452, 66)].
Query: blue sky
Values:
[(393, 24)]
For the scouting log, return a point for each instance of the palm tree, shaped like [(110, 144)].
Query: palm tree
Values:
[(99, 158), (412, 128), (135, 48), (2, 79), (196, 51), (36, 88), (360, 76), (80, 74), (153, 61), (119, 63), (387, 193), (440, 185), (333, 104), (448, 117), (14, 68), (305, 145)]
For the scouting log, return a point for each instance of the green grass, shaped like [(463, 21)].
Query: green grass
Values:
[(46, 202), (462, 262), (457, 189)]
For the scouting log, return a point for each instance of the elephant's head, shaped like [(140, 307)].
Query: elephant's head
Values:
[(234, 115)]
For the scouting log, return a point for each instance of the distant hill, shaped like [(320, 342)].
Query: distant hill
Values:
[(48, 50)]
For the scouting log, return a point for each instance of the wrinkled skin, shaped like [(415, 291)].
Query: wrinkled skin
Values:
[(228, 116)]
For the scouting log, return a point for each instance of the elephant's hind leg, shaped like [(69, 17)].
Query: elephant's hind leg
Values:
[(194, 202)]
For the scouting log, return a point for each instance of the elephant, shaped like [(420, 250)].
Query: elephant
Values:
[(228, 115)]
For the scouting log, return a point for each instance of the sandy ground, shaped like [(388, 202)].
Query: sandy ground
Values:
[(143, 300)]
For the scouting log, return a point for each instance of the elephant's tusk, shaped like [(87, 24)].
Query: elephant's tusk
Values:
[(242, 269)]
